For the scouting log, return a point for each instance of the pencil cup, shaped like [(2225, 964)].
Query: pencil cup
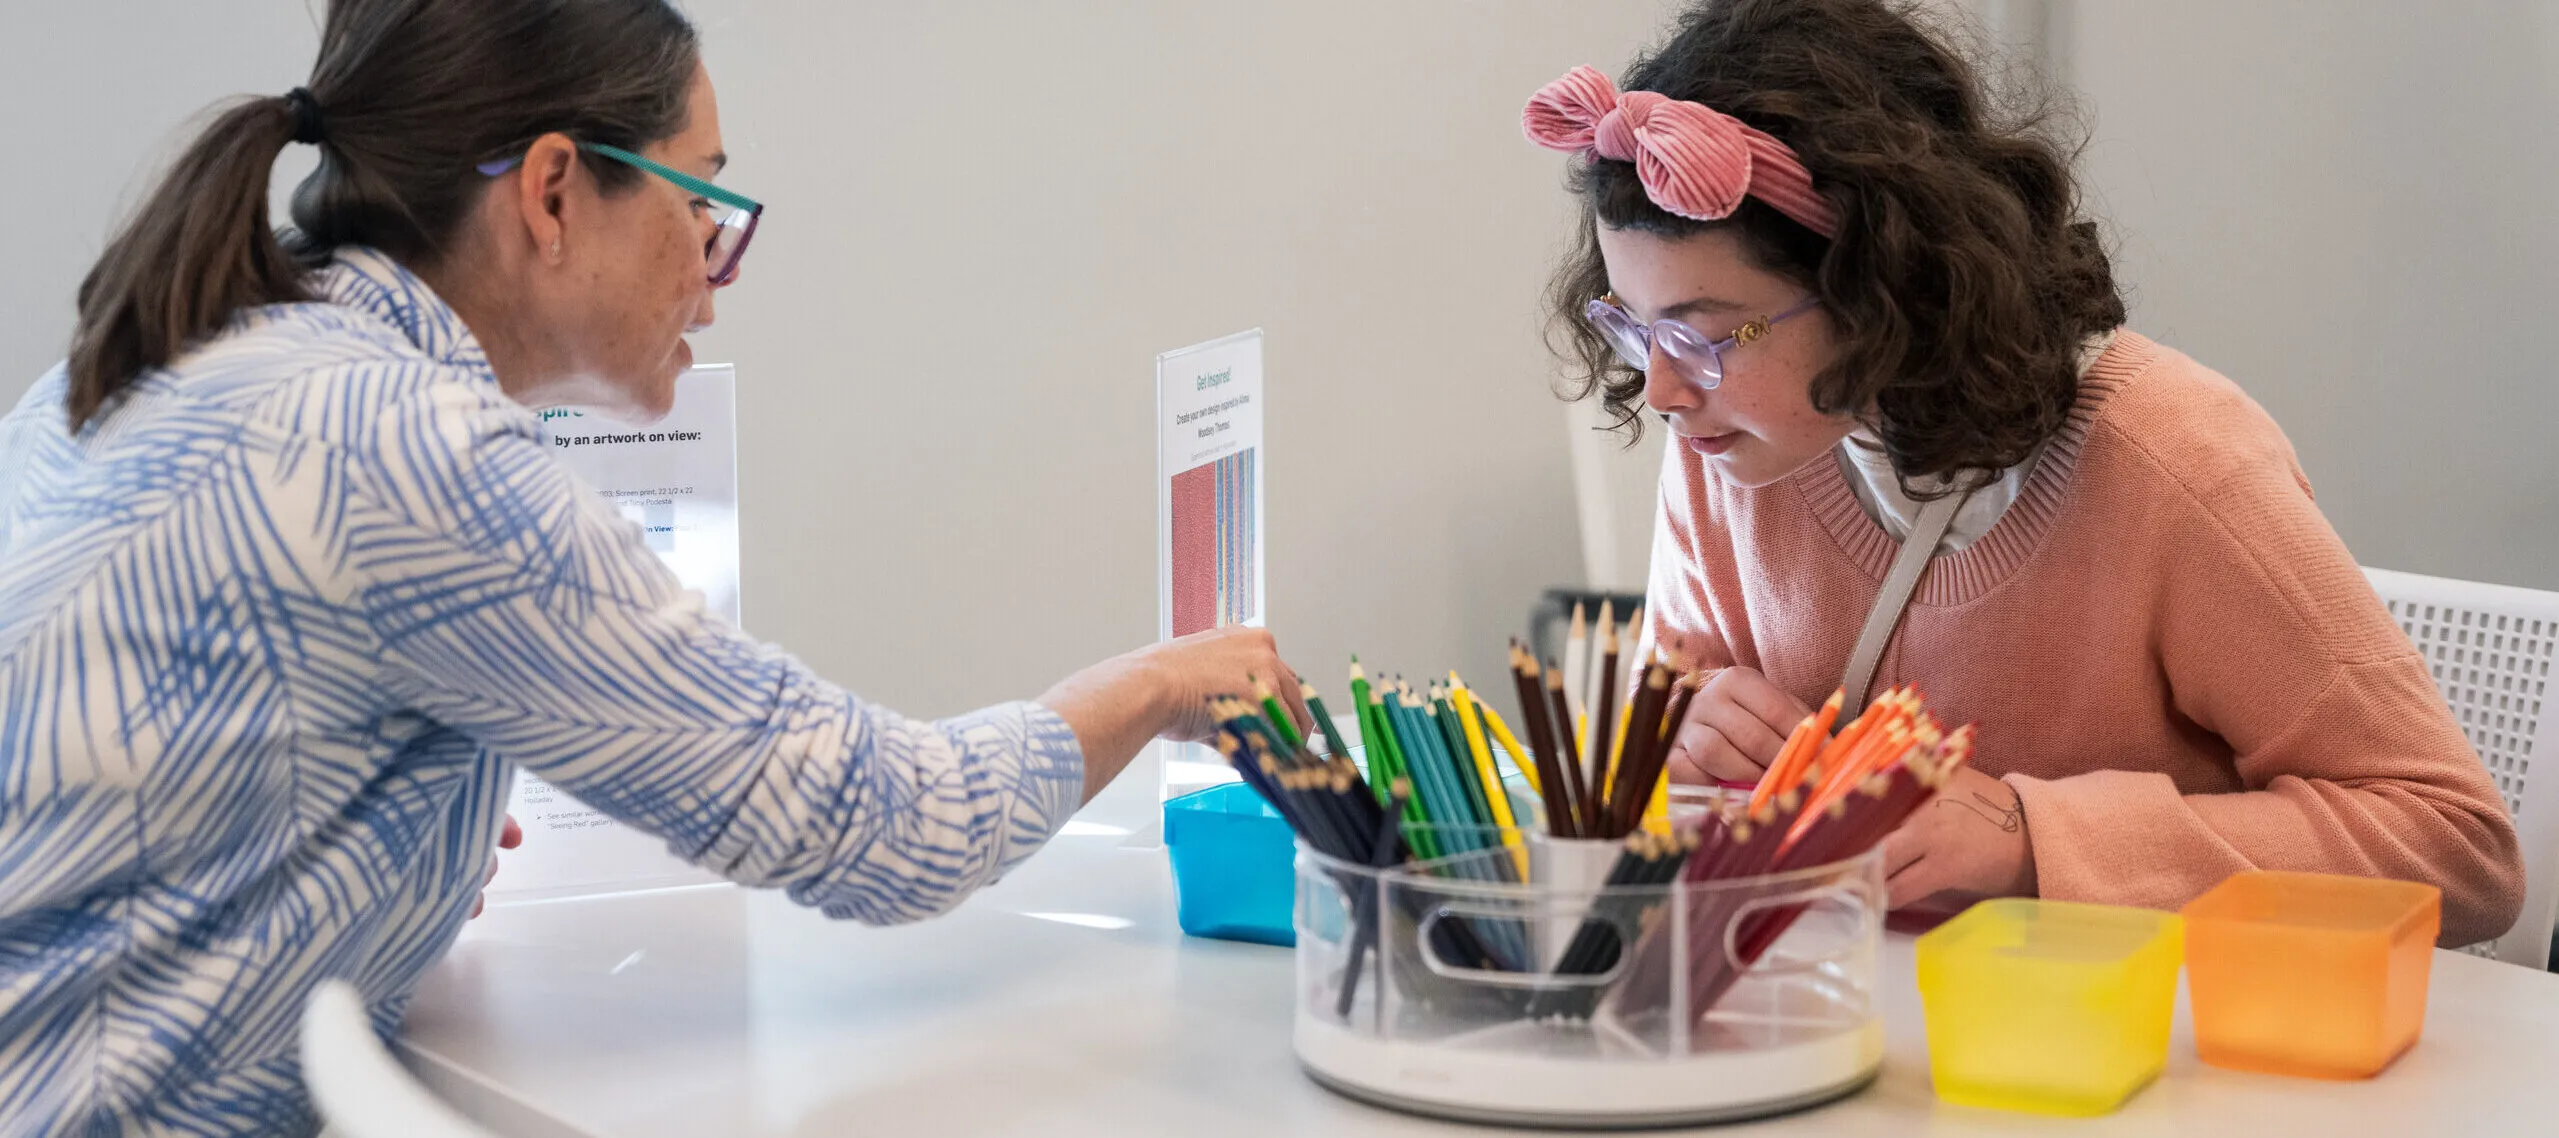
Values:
[(1434, 986), (2048, 1006), (2310, 974), (1231, 874), (1573, 871)]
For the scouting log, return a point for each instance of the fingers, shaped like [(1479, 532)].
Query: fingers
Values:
[(1910, 874), (1284, 682), (1752, 693), (509, 837), (1901, 848), (1741, 730), (1703, 755), (1915, 884), (1236, 662), (1735, 728)]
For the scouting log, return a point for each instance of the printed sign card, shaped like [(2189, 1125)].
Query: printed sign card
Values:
[(1208, 505), (677, 480)]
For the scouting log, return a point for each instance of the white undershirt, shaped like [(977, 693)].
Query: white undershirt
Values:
[(1870, 475)]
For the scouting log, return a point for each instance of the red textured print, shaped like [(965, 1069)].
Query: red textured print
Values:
[(1195, 550), (1215, 559)]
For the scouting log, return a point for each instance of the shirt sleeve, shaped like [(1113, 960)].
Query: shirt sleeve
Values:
[(511, 604), (2349, 760)]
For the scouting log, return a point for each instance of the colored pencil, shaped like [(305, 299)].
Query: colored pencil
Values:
[(1640, 760), (1501, 733), (1384, 852), (1603, 631), (1577, 661), (1569, 755), (1277, 715), (1496, 796), (1534, 715), (1324, 722)]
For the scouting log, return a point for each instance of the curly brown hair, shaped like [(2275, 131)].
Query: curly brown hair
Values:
[(1961, 280)]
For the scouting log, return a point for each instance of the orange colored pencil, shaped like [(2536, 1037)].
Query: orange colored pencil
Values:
[(1797, 755), (1874, 716)]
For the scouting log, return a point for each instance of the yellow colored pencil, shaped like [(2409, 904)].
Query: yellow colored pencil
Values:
[(1495, 795), (1520, 761), (1657, 811), (1617, 746)]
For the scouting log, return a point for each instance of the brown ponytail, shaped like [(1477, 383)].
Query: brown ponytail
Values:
[(406, 99), (198, 250)]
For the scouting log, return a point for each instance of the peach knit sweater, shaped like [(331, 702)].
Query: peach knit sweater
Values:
[(2171, 655)]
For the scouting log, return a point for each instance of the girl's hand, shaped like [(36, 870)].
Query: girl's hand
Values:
[(1736, 724), (1968, 842)]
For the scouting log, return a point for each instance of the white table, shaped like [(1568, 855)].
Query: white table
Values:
[(1065, 1001)]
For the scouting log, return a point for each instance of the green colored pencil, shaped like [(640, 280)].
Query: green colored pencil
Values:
[(1452, 739), (1278, 716), (1440, 801), (1424, 843), (1381, 766), (1333, 738)]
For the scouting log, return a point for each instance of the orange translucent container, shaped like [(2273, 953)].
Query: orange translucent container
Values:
[(2308, 973)]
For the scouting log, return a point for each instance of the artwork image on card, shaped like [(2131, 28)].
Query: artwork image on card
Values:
[(1213, 545)]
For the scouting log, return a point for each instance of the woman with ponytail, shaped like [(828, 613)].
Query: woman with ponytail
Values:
[(290, 583), (1913, 445)]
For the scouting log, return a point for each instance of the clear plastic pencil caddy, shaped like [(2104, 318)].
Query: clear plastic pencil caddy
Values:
[(1513, 985)]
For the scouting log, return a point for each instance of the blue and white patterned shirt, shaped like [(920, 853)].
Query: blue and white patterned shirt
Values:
[(273, 635)]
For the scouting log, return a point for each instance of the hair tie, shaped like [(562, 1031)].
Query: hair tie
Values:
[(1693, 160), (306, 116)]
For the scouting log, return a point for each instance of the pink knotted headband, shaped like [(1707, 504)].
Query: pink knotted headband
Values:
[(1693, 160)]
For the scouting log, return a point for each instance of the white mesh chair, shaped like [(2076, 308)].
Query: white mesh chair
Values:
[(363, 1092), (2490, 648)]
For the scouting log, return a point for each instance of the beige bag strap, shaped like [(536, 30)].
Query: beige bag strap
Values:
[(1926, 531)]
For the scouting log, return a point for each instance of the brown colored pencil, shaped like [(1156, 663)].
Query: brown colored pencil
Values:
[(1571, 758), (1541, 740), (1641, 760), (1603, 724)]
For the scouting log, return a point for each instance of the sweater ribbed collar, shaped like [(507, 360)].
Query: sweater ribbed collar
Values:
[(1958, 577)]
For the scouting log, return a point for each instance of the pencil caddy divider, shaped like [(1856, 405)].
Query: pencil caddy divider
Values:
[(1454, 1007)]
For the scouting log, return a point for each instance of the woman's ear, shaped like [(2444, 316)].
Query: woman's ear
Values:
[(543, 184)]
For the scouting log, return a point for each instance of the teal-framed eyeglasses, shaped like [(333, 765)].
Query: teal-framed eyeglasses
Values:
[(727, 245)]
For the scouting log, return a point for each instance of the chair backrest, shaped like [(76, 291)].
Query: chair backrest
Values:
[(363, 1092), (2490, 648)]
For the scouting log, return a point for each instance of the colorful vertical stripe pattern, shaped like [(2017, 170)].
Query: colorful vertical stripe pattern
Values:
[(275, 633), (1214, 544)]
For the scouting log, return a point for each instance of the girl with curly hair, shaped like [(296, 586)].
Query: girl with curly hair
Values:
[(1915, 445)]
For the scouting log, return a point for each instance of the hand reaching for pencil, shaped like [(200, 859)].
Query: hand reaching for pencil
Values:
[(1162, 690), (1735, 726), (1243, 663)]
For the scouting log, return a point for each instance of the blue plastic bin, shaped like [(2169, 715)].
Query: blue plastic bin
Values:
[(1233, 865)]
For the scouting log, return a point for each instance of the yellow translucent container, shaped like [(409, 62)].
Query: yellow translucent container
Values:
[(2051, 1007), (2309, 973)]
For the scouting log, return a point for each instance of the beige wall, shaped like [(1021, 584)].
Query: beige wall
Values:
[(987, 218), (2347, 207)]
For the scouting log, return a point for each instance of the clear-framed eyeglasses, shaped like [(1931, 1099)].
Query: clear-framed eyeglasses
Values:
[(1698, 359)]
